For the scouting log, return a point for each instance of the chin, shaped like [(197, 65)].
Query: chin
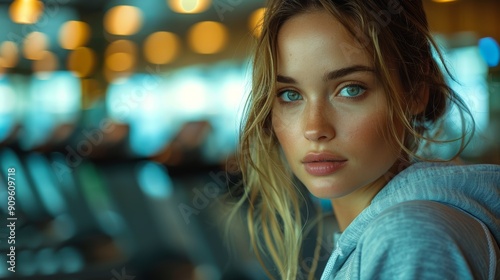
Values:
[(329, 191)]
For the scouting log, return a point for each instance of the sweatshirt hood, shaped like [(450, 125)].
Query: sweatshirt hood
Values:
[(474, 189)]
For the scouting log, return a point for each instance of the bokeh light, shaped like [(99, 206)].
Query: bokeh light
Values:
[(2, 68), (82, 61), (9, 54), (189, 6), (255, 21), (74, 34), (26, 11), (490, 51), (208, 37), (121, 56), (120, 62), (123, 20), (48, 62), (9, 99), (161, 47), (34, 45), (154, 180)]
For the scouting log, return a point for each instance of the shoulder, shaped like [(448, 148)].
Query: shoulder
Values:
[(416, 237), (419, 219), (426, 170)]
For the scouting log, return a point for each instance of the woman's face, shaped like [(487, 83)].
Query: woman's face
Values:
[(330, 109)]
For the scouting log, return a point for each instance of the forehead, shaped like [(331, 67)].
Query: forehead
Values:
[(318, 37)]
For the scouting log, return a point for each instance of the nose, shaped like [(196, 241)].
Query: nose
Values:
[(318, 124)]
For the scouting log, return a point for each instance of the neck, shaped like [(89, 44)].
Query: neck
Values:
[(348, 207)]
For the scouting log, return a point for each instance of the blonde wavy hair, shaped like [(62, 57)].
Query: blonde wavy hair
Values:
[(402, 41)]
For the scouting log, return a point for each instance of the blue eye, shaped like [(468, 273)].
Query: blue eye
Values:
[(352, 91), (289, 95)]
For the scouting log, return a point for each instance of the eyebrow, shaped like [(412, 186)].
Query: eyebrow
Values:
[(332, 75)]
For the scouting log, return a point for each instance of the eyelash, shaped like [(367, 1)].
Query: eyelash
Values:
[(363, 88), (282, 92)]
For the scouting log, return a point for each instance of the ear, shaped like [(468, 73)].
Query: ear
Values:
[(421, 99)]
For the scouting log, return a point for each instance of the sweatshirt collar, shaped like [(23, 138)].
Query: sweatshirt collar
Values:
[(427, 181)]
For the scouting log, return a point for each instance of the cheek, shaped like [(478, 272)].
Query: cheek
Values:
[(373, 137), (280, 128), (277, 122), (282, 121), (286, 127), (383, 145)]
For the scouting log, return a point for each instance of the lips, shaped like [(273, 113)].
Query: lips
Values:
[(322, 157), (321, 164)]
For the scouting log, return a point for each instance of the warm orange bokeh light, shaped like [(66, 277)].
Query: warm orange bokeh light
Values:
[(34, 45), (161, 47), (9, 54), (123, 20), (121, 56), (47, 63), (82, 62), (25, 11), (120, 62), (255, 21), (189, 6), (208, 37), (74, 34), (3, 70)]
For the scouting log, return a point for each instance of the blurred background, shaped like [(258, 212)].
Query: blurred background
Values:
[(120, 118)]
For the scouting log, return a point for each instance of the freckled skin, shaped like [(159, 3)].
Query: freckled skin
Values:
[(324, 121)]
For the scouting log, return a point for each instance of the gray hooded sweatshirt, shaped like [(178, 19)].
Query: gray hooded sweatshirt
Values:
[(431, 221)]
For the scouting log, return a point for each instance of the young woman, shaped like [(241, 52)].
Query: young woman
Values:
[(345, 94)]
